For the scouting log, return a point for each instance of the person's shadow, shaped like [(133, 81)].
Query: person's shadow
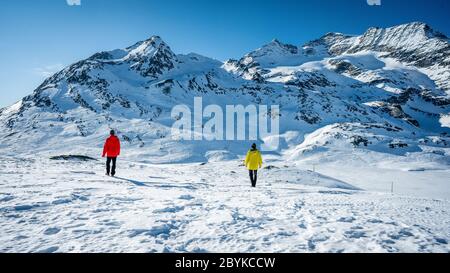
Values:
[(135, 182), (155, 184)]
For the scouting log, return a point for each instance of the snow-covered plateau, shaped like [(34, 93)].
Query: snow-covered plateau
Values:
[(363, 163)]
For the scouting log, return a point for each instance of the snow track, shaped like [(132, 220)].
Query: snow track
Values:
[(73, 207)]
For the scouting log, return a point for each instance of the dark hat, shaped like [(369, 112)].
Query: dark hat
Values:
[(112, 132), (254, 145)]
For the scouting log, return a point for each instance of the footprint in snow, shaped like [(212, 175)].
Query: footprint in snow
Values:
[(346, 219), (169, 209), (375, 221), (441, 241), (20, 237), (389, 242), (403, 233), (186, 197), (25, 207), (48, 250), (302, 225), (7, 198), (355, 234), (314, 240), (52, 231), (153, 232)]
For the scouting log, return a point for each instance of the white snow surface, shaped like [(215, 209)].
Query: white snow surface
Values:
[(71, 206)]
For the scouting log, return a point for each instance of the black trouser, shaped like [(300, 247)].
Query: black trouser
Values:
[(253, 177), (108, 165)]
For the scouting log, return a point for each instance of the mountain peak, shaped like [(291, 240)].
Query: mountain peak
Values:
[(327, 42), (152, 44), (275, 42), (151, 56), (409, 29), (406, 35), (155, 41), (412, 27), (276, 46), (416, 24), (155, 38)]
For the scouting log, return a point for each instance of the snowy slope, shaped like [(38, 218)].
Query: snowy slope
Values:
[(337, 94), (206, 208), (338, 79)]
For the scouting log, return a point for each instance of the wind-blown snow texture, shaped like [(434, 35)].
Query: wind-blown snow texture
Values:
[(206, 208), (371, 110)]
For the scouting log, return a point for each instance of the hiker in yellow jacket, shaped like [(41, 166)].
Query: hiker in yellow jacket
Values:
[(253, 162)]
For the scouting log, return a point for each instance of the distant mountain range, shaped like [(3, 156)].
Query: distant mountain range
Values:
[(387, 91)]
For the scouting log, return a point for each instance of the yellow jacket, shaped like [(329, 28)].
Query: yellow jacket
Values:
[(253, 161)]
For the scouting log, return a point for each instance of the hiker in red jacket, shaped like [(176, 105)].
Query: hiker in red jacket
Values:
[(112, 151)]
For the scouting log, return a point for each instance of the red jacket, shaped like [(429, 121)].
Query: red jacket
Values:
[(112, 147)]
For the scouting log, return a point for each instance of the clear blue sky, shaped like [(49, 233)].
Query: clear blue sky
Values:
[(38, 37)]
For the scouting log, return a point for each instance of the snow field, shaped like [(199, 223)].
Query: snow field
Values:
[(63, 206)]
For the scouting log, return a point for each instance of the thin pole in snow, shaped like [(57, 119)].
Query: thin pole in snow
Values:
[(392, 188)]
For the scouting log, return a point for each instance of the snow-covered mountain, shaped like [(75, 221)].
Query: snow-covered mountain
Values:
[(386, 91), (362, 166)]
